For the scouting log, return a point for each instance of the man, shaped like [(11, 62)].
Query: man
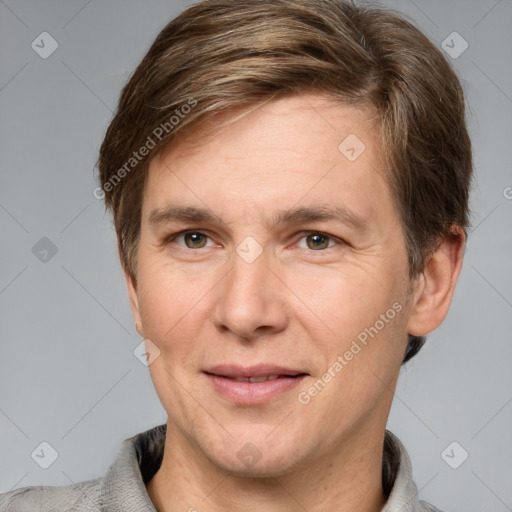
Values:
[(289, 184)]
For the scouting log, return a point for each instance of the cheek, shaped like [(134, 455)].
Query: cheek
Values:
[(365, 313), (170, 309), (347, 301), (169, 305)]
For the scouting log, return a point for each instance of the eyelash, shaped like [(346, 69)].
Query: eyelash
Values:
[(304, 234)]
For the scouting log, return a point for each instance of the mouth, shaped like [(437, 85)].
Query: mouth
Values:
[(262, 378), (253, 385)]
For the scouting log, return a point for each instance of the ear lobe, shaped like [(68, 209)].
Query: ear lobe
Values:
[(436, 286)]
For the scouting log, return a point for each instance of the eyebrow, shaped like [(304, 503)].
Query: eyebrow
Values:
[(181, 213), (304, 215), (299, 215)]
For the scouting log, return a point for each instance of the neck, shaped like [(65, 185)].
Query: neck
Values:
[(350, 479)]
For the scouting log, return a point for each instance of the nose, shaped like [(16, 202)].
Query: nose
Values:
[(251, 300)]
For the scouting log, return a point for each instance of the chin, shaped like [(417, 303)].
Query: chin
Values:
[(257, 456), (277, 466)]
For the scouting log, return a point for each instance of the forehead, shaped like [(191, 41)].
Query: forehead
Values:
[(291, 123), (302, 149)]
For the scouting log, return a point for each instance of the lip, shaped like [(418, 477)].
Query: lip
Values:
[(222, 378), (259, 370)]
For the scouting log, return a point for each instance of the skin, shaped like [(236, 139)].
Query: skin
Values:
[(296, 305)]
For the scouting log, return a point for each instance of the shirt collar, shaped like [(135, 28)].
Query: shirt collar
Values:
[(404, 493), (124, 486)]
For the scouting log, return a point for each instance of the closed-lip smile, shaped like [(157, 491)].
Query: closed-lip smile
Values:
[(253, 385)]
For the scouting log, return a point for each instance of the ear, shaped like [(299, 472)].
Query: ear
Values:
[(436, 285), (131, 287)]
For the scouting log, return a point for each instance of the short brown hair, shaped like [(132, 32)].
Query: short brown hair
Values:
[(226, 56)]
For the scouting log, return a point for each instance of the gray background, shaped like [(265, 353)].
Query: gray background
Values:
[(68, 375)]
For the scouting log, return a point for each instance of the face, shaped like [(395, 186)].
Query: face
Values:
[(272, 277)]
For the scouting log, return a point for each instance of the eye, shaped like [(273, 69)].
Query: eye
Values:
[(191, 239), (317, 241)]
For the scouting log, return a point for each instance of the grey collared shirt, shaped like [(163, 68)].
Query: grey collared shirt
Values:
[(123, 488)]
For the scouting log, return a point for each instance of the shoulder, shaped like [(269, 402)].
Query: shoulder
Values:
[(122, 487), (80, 497), (427, 507)]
